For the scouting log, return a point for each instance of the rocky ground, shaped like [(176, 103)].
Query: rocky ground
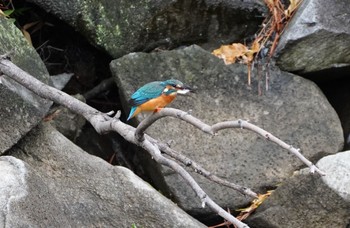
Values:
[(57, 171)]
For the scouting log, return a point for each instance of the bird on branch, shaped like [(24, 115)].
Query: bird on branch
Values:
[(154, 96)]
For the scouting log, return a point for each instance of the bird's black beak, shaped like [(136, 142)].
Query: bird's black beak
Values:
[(185, 89), (192, 90)]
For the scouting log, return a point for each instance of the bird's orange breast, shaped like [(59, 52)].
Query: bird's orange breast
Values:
[(158, 102)]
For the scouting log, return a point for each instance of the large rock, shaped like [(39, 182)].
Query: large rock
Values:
[(50, 182), (70, 124), (20, 109), (307, 200), (119, 27), (317, 38), (294, 109)]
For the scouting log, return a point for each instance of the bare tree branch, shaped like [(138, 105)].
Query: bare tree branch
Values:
[(246, 125), (200, 170), (165, 112), (103, 86), (206, 200), (104, 123)]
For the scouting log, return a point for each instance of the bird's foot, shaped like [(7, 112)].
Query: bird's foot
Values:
[(157, 110)]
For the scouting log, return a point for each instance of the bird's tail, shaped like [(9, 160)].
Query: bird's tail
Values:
[(132, 113)]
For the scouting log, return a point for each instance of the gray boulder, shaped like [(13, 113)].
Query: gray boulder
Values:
[(67, 122), (50, 182), (293, 109), (317, 38), (20, 109), (306, 200), (119, 27)]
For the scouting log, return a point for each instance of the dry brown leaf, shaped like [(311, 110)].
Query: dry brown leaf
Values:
[(25, 30), (27, 36), (29, 25), (255, 48), (230, 53), (256, 45), (237, 51), (268, 36), (245, 212), (292, 7)]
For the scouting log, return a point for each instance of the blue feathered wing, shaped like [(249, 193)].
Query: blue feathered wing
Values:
[(145, 93)]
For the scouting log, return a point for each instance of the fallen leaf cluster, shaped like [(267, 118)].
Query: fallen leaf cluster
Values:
[(268, 37)]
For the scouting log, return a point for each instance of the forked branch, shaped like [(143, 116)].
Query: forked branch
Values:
[(242, 124), (105, 123)]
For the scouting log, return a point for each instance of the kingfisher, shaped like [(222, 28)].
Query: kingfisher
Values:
[(154, 96)]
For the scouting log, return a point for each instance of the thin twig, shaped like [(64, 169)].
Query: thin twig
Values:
[(206, 200), (174, 113), (246, 125), (200, 170), (103, 86)]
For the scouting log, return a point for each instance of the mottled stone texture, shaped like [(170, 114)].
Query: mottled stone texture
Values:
[(119, 27), (50, 182), (293, 109), (20, 109), (317, 38), (308, 200)]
